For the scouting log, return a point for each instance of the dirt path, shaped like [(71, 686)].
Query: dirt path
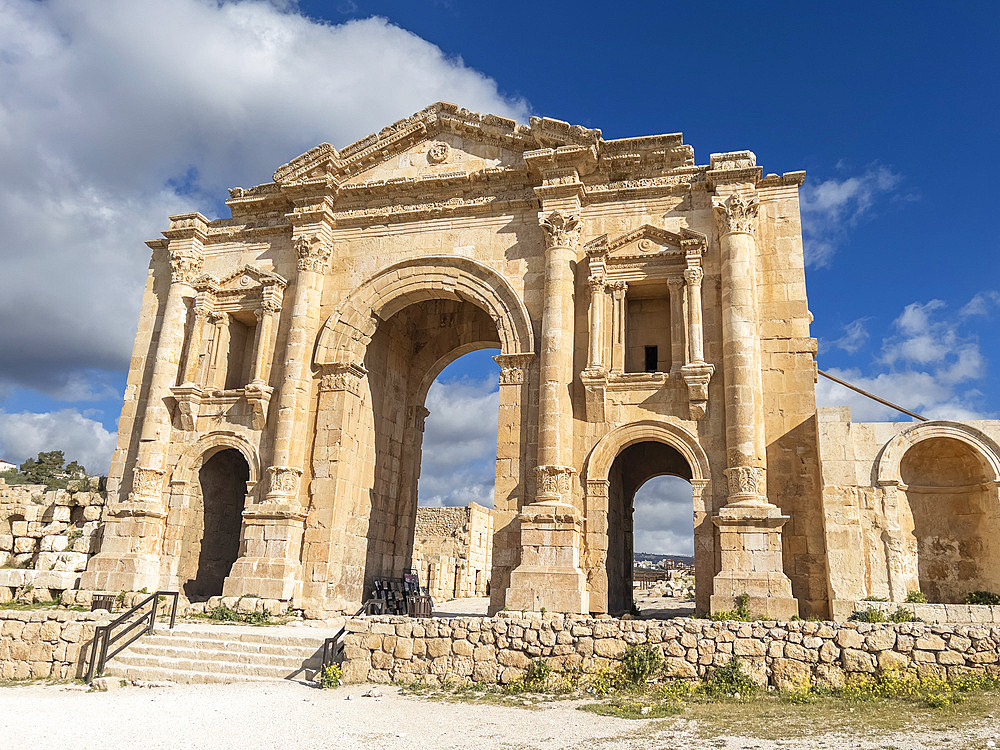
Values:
[(287, 715)]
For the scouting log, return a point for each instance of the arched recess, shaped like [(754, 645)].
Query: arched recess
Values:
[(348, 331), (887, 464), (597, 470), (185, 492), (940, 484)]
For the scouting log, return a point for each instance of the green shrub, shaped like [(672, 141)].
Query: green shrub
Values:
[(876, 615), (330, 676), (915, 597), (730, 680), (741, 612), (537, 675), (902, 614), (223, 613), (601, 681), (639, 663), (875, 599), (982, 597)]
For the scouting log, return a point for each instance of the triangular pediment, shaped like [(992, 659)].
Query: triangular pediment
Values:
[(244, 279), (647, 240), (437, 141)]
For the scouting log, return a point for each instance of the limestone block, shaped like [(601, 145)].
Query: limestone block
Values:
[(854, 660), (890, 660), (930, 642), (789, 674)]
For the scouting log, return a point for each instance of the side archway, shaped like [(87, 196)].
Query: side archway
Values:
[(601, 558), (887, 466), (348, 331)]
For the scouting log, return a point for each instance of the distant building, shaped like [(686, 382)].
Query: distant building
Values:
[(453, 550), (6, 465)]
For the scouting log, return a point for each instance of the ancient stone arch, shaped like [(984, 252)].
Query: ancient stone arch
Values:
[(607, 449), (205, 447), (349, 329), (886, 468)]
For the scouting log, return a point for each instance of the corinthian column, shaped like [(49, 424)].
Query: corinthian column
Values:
[(749, 526), (130, 549), (271, 540)]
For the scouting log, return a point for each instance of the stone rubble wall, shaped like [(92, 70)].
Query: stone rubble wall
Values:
[(46, 644), (954, 613), (47, 537), (498, 650)]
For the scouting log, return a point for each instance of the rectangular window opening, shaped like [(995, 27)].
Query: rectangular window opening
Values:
[(651, 359)]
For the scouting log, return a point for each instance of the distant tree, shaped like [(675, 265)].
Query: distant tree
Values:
[(47, 469)]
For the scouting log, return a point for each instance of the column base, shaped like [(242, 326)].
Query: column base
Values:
[(750, 543), (129, 572), (268, 566), (549, 575)]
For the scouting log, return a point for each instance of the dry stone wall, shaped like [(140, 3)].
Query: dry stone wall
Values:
[(45, 644), (498, 650), (47, 537)]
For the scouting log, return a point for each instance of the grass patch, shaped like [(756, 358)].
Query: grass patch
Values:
[(53, 604), (224, 614), (626, 708)]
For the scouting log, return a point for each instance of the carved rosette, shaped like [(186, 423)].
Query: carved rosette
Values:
[(342, 377), (283, 483), (147, 485), (185, 266), (737, 215), (513, 367), (746, 485), (561, 229), (553, 483), (313, 253)]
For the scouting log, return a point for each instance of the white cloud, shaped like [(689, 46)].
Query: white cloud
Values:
[(114, 114), (981, 304), (832, 207), (24, 435), (929, 362), (460, 443), (663, 523), (855, 336)]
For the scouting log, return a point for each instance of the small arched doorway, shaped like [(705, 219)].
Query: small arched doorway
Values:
[(951, 511), (211, 541), (632, 468)]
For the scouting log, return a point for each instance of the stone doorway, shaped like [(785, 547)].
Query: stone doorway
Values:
[(631, 469), (951, 511), (211, 540)]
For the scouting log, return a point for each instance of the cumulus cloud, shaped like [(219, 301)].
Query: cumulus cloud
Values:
[(930, 363), (25, 435), (663, 522), (108, 127), (460, 443), (833, 207), (855, 336)]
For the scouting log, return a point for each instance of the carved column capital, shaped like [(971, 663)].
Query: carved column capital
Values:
[(513, 367), (746, 485), (313, 253), (736, 215), (693, 275), (342, 377), (561, 229), (554, 483), (597, 284), (185, 266), (617, 289), (283, 483)]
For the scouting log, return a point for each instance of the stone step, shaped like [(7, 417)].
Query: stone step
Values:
[(181, 676), (235, 647), (273, 654), (142, 663), (245, 634)]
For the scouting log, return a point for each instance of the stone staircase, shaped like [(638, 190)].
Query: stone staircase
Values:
[(222, 653)]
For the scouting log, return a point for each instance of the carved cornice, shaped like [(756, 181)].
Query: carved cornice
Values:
[(737, 215), (342, 377), (561, 229), (313, 253)]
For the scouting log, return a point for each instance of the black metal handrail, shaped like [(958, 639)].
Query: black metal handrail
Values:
[(333, 647), (103, 638)]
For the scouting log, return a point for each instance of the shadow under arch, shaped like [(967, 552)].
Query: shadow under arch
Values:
[(349, 329), (683, 457)]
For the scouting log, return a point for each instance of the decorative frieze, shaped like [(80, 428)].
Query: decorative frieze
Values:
[(147, 484), (342, 377)]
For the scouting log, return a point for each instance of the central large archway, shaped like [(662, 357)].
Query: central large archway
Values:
[(391, 338)]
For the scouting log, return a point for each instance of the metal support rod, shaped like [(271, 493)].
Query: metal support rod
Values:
[(872, 396)]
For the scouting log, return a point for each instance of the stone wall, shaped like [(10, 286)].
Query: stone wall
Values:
[(453, 550), (497, 650), (45, 643), (46, 537)]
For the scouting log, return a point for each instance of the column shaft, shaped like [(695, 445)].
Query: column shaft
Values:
[(618, 326), (595, 351), (678, 332), (696, 336)]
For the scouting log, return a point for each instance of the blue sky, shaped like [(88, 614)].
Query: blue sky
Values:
[(114, 114)]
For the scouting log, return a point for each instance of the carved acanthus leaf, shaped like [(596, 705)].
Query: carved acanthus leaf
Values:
[(185, 266), (313, 253), (737, 214), (561, 229)]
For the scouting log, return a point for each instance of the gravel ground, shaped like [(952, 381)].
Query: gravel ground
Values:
[(288, 715)]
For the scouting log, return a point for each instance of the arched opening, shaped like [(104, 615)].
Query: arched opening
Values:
[(952, 513), (407, 352), (453, 539), (633, 467), (663, 542), (211, 541)]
